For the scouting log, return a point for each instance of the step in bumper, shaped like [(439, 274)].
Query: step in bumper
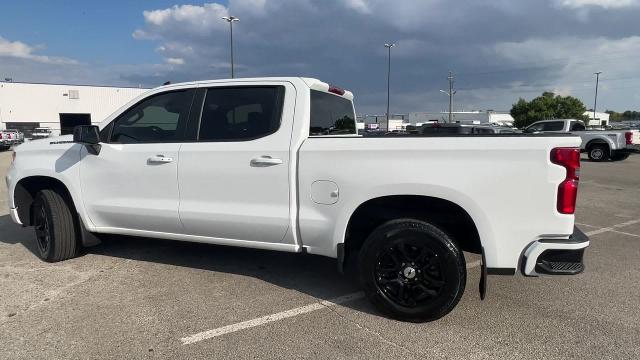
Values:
[(556, 256)]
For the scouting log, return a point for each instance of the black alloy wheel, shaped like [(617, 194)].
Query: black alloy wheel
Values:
[(412, 270)]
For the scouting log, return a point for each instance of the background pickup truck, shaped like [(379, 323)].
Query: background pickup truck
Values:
[(600, 145), (9, 138), (275, 163)]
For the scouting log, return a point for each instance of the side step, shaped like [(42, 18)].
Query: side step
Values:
[(559, 267), (560, 262)]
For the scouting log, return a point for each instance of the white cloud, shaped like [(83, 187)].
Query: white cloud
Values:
[(193, 19), (361, 6), (18, 49), (175, 61), (607, 4)]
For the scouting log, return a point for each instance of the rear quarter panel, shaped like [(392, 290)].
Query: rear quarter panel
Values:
[(508, 185)]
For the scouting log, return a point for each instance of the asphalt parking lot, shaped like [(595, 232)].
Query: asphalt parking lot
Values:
[(141, 298)]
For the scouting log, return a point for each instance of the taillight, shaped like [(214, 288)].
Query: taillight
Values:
[(629, 137), (0, 135), (569, 158)]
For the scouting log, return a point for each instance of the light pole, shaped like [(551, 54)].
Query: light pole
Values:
[(595, 100), (388, 46), (230, 20), (450, 93)]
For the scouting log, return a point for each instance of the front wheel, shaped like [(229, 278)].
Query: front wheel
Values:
[(412, 271), (54, 227)]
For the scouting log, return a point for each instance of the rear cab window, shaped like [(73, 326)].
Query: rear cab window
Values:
[(331, 115)]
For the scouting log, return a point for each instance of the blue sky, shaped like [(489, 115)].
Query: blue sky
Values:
[(499, 49)]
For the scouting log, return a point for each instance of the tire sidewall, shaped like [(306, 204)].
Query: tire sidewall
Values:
[(453, 271), (598, 153), (41, 202)]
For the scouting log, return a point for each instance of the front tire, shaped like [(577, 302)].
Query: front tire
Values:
[(599, 152), (56, 236), (412, 271)]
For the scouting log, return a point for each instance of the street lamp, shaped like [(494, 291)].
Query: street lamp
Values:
[(595, 100), (450, 93), (230, 20), (388, 46)]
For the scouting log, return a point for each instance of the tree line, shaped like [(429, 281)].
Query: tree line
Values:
[(552, 106), (625, 115)]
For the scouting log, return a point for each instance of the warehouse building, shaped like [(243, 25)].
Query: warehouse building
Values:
[(60, 107), (465, 117)]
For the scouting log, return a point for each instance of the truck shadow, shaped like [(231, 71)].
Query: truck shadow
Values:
[(313, 275)]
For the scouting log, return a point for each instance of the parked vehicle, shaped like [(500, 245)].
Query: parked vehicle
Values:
[(600, 145), (275, 163), (18, 138), (5, 141), (10, 138), (456, 128), (41, 133)]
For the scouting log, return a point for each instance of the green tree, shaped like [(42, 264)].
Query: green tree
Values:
[(547, 106)]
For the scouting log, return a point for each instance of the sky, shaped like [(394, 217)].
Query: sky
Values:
[(498, 50)]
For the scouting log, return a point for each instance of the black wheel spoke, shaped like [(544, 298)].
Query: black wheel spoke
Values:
[(408, 271), (432, 281)]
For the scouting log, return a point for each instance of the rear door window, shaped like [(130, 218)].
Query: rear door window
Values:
[(576, 126), (553, 126), (331, 115), (241, 113)]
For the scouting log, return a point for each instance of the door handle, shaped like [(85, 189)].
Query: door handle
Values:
[(159, 159), (264, 161)]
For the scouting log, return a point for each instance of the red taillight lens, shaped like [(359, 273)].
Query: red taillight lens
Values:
[(336, 90), (569, 158), (629, 137), (0, 135)]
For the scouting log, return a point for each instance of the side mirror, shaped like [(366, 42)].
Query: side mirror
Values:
[(89, 136)]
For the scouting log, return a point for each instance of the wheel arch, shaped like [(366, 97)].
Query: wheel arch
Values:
[(26, 189), (594, 142), (444, 213)]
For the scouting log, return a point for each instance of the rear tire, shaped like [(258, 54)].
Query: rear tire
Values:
[(412, 271), (56, 236), (598, 152), (618, 156)]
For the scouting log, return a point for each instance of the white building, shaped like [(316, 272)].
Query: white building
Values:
[(470, 117), (601, 119), (26, 106)]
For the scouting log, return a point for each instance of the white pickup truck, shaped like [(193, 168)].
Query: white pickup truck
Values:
[(600, 145), (275, 163)]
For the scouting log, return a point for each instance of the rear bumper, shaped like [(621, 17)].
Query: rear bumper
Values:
[(556, 256)]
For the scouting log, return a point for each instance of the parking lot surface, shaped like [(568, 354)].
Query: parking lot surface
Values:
[(144, 298)]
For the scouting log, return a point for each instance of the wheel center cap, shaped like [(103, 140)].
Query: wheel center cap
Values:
[(409, 272)]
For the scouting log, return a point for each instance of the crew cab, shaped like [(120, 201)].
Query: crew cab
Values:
[(276, 163), (600, 145)]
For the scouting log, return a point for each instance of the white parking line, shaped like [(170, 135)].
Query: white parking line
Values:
[(610, 228), (281, 315), (209, 334), (269, 318), (624, 233)]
